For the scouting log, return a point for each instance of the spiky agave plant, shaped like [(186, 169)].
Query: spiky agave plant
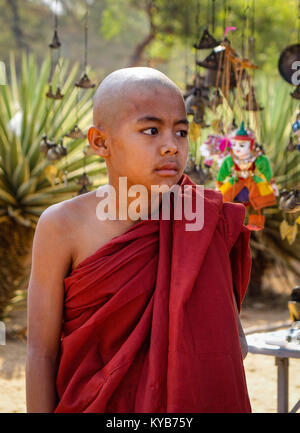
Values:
[(25, 186)]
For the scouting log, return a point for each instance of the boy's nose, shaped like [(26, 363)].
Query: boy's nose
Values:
[(170, 148)]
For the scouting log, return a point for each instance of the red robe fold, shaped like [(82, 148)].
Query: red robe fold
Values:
[(149, 320)]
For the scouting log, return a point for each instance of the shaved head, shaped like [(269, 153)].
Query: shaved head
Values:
[(115, 95)]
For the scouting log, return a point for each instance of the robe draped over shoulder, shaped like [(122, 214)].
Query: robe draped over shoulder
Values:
[(149, 322)]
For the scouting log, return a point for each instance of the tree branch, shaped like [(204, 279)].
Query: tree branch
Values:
[(137, 54)]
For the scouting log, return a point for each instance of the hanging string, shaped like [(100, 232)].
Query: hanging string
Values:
[(214, 15), (225, 15), (186, 68), (86, 35), (252, 38), (198, 35), (207, 15)]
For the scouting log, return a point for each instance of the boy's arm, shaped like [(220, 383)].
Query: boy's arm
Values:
[(51, 260)]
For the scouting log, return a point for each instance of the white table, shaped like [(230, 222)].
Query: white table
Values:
[(274, 344)]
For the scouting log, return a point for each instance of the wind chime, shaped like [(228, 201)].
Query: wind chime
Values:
[(289, 202), (55, 151), (51, 149), (84, 84), (197, 97), (215, 148)]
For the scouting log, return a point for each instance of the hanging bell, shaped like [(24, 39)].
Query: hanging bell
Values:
[(291, 146), (211, 61), (84, 180), (296, 93), (85, 83), (76, 133), (206, 41), (50, 94), (58, 94), (55, 41), (61, 149)]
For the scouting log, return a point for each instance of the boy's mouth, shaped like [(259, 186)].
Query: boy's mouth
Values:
[(167, 169)]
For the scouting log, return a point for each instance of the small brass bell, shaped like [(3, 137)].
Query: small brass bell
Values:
[(206, 41), (85, 83), (76, 133), (55, 41)]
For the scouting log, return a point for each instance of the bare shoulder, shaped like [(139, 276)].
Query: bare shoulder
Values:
[(55, 233), (63, 217)]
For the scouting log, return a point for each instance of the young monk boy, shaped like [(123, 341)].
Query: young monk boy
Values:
[(138, 314)]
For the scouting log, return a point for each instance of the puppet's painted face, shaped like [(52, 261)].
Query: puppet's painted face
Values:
[(241, 148)]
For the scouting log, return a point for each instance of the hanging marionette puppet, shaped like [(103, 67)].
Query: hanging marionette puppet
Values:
[(250, 177)]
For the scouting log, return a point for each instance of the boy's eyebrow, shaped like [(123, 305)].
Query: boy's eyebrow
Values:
[(158, 120)]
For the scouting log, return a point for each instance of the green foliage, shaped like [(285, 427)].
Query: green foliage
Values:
[(25, 188)]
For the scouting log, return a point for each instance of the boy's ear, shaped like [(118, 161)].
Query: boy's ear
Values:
[(97, 137)]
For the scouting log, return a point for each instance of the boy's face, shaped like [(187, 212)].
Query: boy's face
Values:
[(151, 131)]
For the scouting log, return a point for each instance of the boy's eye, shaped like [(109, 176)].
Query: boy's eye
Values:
[(183, 133), (153, 131)]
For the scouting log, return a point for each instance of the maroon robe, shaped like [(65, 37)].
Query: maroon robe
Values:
[(149, 318)]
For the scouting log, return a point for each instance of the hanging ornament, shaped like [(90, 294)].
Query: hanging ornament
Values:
[(84, 180), (84, 81), (76, 133), (206, 41)]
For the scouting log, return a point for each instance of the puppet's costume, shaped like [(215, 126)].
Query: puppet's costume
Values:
[(149, 323), (249, 177)]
